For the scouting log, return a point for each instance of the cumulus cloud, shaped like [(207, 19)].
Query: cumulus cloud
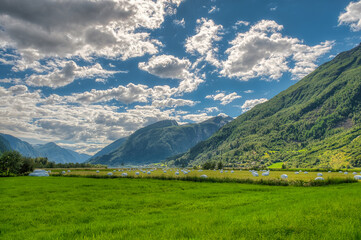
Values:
[(249, 104), (264, 52), (30, 114), (39, 29), (67, 72), (167, 66), (211, 109), (181, 22), (223, 98), (352, 16), (202, 43)]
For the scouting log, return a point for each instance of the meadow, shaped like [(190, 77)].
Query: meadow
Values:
[(123, 208), (298, 177)]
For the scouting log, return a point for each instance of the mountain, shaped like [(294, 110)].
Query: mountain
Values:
[(22, 147), (4, 145), (58, 154), (314, 123), (161, 140), (110, 148)]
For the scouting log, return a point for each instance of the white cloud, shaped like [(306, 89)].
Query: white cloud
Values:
[(32, 115), (242, 23), (66, 73), (249, 104), (125, 94), (181, 22), (249, 91), (167, 66), (207, 32), (264, 52), (352, 16), (211, 109), (213, 9), (171, 102), (116, 29), (223, 98), (197, 117)]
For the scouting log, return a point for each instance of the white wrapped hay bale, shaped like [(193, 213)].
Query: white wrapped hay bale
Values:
[(176, 173), (125, 174), (97, 171), (305, 172), (39, 173), (110, 174), (69, 171), (354, 173), (148, 172), (319, 174), (357, 177), (284, 176), (136, 173), (296, 172), (63, 172), (255, 174), (265, 174), (319, 179), (203, 176), (345, 172), (232, 171)]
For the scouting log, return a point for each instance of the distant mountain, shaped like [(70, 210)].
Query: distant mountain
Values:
[(314, 123), (4, 145), (22, 147), (58, 154), (110, 148), (159, 141)]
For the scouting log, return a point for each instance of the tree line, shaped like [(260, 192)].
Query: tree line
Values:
[(12, 163)]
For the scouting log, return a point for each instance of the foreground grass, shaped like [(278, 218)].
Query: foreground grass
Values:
[(120, 208)]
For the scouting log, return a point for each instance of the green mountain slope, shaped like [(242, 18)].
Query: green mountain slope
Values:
[(110, 148), (316, 122), (160, 140), (4, 145)]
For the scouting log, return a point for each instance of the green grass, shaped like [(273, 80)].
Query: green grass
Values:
[(121, 208), (276, 165)]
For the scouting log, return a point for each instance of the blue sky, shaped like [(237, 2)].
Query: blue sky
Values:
[(85, 73)]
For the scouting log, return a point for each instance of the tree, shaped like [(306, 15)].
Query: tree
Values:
[(10, 163), (219, 165)]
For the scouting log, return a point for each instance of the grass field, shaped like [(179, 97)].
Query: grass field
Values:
[(226, 175), (121, 208)]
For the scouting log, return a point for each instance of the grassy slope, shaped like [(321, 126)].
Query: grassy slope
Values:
[(82, 208), (315, 111)]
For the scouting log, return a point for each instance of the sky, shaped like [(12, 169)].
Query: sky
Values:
[(83, 73)]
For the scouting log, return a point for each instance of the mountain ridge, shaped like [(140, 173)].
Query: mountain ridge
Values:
[(160, 140)]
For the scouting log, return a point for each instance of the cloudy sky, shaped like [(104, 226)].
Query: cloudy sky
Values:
[(83, 73)]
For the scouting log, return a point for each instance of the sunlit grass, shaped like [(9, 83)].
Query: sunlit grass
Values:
[(294, 177), (121, 208)]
